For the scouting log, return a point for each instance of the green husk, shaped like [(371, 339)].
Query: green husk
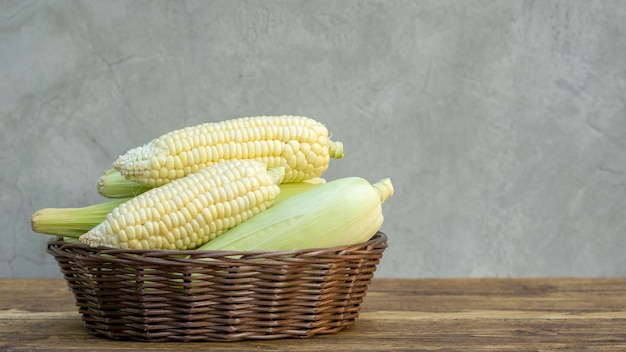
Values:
[(345, 211)]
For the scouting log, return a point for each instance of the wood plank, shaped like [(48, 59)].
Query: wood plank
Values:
[(397, 315), (42, 295), (371, 335), (458, 294)]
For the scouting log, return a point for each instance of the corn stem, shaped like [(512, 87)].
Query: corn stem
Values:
[(113, 185), (384, 188), (72, 222)]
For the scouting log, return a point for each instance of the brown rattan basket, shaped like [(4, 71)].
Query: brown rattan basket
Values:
[(158, 295)]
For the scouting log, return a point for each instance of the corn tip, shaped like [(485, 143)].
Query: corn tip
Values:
[(93, 238), (89, 239)]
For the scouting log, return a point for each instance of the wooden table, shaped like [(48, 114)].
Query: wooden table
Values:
[(397, 314)]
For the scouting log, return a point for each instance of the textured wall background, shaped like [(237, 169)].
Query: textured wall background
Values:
[(501, 123)]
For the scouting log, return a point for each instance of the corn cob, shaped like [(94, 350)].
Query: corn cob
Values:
[(73, 222), (300, 144), (190, 211), (341, 212)]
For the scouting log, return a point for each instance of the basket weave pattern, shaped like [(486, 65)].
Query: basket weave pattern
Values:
[(158, 295)]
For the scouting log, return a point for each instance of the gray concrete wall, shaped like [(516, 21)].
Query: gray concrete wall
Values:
[(501, 123)]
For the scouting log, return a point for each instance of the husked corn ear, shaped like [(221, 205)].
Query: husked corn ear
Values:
[(341, 212), (73, 222), (300, 144), (190, 211)]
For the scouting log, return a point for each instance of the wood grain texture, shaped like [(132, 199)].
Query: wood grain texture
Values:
[(397, 315)]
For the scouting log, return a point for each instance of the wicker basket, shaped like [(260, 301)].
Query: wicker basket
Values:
[(158, 295)]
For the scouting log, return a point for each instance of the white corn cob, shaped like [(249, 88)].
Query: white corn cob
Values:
[(190, 211), (300, 144)]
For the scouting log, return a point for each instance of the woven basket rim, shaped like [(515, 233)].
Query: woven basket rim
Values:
[(379, 239)]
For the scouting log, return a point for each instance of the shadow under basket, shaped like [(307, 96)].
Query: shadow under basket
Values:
[(164, 295)]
